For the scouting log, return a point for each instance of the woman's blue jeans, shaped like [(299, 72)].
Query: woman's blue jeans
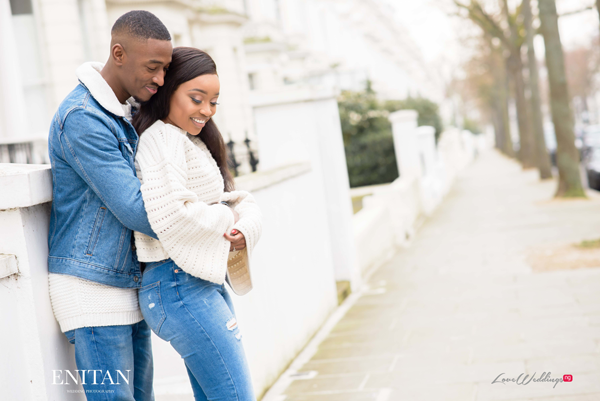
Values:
[(198, 319)]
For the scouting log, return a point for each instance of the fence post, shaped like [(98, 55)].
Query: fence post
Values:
[(406, 146), (33, 347)]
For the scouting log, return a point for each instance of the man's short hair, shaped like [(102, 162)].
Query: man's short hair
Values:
[(140, 24)]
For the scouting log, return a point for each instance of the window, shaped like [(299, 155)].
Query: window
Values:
[(19, 7)]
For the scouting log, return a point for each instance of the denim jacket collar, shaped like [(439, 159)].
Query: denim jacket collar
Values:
[(89, 75)]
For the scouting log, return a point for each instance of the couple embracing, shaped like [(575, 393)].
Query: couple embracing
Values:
[(146, 225)]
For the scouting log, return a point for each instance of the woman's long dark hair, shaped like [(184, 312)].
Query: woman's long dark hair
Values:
[(187, 63)]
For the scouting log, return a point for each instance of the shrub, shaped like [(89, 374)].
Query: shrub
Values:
[(367, 133)]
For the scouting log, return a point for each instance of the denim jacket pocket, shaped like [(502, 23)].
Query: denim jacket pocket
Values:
[(151, 306), (96, 231), (129, 149)]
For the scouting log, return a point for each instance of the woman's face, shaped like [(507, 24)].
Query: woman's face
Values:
[(194, 103)]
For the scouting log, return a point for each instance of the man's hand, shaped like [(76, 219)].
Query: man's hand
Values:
[(237, 239)]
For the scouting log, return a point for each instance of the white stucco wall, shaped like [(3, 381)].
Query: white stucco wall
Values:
[(33, 345), (302, 124), (293, 275)]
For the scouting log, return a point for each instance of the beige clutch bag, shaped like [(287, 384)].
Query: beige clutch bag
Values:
[(238, 272)]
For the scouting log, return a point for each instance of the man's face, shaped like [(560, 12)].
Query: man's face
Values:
[(144, 67)]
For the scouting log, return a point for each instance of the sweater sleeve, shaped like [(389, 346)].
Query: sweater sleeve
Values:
[(190, 231), (250, 221)]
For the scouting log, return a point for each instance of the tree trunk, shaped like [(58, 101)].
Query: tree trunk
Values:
[(598, 7), (501, 78), (515, 68), (503, 139), (541, 153), (567, 158), (498, 131)]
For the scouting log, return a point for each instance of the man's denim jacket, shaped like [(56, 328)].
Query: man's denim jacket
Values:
[(96, 195)]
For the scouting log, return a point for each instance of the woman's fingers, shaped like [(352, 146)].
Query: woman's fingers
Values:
[(238, 241), (230, 237), (237, 247)]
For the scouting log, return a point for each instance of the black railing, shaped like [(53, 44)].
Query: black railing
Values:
[(249, 156), (24, 153)]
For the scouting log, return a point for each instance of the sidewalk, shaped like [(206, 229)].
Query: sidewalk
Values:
[(462, 305)]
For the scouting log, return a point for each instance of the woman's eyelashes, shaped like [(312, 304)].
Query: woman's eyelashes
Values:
[(200, 101)]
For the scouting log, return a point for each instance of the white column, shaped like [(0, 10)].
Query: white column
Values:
[(430, 187), (12, 100), (96, 29), (426, 138), (303, 124), (62, 45), (33, 347), (406, 146)]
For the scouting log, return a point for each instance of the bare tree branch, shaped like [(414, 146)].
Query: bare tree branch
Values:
[(477, 14), (591, 7)]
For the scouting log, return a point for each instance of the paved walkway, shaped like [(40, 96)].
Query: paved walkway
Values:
[(461, 305)]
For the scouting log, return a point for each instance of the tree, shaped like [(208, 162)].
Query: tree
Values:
[(486, 82), (598, 7), (567, 157), (512, 41), (541, 152)]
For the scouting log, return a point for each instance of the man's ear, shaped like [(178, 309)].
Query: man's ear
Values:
[(118, 54)]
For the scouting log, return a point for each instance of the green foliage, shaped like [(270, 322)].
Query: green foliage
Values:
[(368, 139), (371, 159), (472, 126), (257, 39), (429, 113), (361, 114), (367, 133), (589, 244)]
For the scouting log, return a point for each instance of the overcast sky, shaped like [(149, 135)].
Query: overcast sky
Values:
[(438, 34)]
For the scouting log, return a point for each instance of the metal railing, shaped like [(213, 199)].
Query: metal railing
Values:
[(248, 156)]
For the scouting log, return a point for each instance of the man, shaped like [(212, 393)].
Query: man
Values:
[(94, 272)]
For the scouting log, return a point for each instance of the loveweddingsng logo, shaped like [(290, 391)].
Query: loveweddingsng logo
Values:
[(524, 379), (61, 377)]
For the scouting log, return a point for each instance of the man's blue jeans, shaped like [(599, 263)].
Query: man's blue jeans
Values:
[(111, 355), (198, 319)]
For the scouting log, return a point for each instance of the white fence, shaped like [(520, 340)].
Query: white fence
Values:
[(391, 214), (293, 259)]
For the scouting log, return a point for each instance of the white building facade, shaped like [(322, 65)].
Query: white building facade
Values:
[(259, 45)]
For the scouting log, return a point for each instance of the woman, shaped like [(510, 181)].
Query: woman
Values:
[(206, 229)]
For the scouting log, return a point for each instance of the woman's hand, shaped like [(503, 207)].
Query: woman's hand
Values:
[(237, 239)]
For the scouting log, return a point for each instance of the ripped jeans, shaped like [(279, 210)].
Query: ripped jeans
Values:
[(197, 318)]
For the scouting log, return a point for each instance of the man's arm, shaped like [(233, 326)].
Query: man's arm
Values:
[(92, 150)]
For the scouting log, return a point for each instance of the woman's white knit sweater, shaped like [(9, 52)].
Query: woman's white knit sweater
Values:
[(182, 186)]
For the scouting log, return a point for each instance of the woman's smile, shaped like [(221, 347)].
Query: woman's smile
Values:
[(199, 122)]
